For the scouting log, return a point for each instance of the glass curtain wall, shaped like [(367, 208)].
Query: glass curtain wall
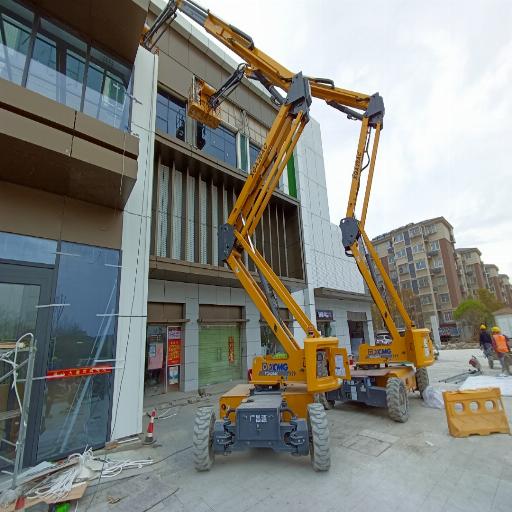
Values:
[(45, 58), (78, 356), (76, 410)]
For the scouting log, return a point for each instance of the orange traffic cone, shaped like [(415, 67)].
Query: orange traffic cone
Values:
[(149, 437)]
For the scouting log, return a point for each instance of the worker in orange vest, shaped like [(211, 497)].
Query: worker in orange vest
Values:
[(501, 347)]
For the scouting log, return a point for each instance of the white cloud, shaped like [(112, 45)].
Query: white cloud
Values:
[(444, 69)]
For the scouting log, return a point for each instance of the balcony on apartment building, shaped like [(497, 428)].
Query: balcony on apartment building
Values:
[(65, 96)]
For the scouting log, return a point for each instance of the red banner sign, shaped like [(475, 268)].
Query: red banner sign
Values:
[(173, 345), (86, 371), (231, 350)]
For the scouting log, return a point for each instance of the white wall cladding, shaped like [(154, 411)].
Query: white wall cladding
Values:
[(326, 263), (133, 293)]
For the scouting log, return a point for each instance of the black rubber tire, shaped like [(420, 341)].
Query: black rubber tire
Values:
[(397, 400), (319, 449), (203, 439), (422, 380)]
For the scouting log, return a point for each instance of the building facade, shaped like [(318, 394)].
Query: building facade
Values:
[(72, 144), (472, 274), (422, 264), (110, 202), (196, 307), (498, 284)]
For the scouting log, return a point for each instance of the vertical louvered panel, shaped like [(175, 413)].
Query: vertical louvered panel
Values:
[(215, 227), (191, 231), (225, 210), (163, 202), (177, 214), (203, 222)]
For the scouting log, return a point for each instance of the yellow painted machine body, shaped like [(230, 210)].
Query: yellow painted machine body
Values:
[(199, 105), (381, 375), (414, 347), (296, 395), (305, 366)]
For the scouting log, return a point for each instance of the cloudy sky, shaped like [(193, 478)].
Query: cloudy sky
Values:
[(444, 69)]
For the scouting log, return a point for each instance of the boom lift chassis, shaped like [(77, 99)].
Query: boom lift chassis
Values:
[(278, 409)]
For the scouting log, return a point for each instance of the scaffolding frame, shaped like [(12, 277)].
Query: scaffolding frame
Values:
[(9, 352)]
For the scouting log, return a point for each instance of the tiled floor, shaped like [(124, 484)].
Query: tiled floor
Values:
[(376, 465)]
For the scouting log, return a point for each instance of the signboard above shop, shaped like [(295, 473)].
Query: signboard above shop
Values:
[(326, 315)]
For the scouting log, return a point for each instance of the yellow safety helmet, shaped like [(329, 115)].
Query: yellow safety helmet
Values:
[(483, 327), (495, 329)]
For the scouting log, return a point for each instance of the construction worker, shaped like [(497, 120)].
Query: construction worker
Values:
[(485, 341), (501, 347)]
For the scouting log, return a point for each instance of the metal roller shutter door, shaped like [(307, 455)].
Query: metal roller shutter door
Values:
[(214, 353)]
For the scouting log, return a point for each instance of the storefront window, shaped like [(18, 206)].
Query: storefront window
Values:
[(55, 63), (76, 408), (27, 248), (163, 358)]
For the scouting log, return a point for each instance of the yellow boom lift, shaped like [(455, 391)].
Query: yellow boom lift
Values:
[(277, 409)]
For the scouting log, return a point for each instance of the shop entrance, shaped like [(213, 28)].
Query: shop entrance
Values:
[(220, 350), (164, 348), (324, 321), (358, 331), (67, 293), (163, 358), (22, 291)]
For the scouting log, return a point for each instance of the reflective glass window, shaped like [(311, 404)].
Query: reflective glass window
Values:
[(219, 143), (27, 248), (76, 410), (42, 74), (244, 155), (60, 63), (170, 115), (107, 84), (254, 151), (15, 29)]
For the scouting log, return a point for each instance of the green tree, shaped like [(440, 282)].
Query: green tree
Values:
[(473, 313), (378, 322), (489, 300)]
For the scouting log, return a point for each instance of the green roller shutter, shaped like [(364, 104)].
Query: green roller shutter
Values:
[(214, 354)]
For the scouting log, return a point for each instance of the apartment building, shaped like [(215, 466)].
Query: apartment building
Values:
[(73, 163), (506, 289), (421, 261), (472, 274), (498, 284)]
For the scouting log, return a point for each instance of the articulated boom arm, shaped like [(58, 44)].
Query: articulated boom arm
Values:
[(355, 239), (235, 235), (415, 346)]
